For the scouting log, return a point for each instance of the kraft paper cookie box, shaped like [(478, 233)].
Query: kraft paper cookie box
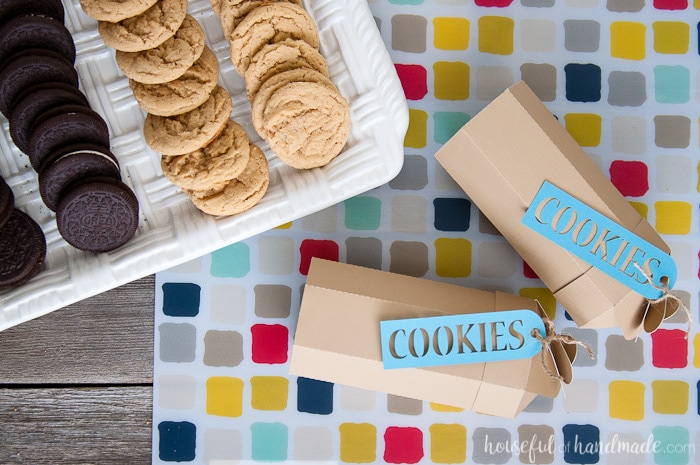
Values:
[(501, 159), (337, 339)]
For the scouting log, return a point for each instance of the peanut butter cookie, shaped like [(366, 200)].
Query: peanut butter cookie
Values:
[(222, 160), (169, 60), (282, 56), (231, 12), (241, 193), (147, 30), (183, 94), (181, 134), (271, 85), (269, 23), (115, 10), (307, 124)]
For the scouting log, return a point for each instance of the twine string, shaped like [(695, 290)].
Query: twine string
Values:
[(665, 296), (552, 336)]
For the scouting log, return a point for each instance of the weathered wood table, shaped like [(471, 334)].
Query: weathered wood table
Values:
[(76, 384)]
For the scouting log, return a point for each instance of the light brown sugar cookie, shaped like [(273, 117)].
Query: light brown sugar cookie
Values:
[(282, 56), (232, 12), (307, 124), (115, 10), (269, 23), (239, 194), (146, 30), (185, 133), (169, 60), (221, 160), (183, 94), (271, 85)]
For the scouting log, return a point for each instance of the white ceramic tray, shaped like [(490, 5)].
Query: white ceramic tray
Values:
[(171, 231)]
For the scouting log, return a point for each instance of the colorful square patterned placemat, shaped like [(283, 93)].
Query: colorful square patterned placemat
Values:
[(623, 77)]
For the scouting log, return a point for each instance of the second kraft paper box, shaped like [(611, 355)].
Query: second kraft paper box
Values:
[(501, 159), (337, 340)]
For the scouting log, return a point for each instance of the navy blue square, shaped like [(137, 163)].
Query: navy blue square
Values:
[(177, 441), (581, 444), (314, 396), (452, 214), (181, 299), (582, 82)]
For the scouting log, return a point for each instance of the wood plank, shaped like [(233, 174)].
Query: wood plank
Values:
[(106, 339), (110, 425)]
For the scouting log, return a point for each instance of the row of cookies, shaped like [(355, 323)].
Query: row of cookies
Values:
[(296, 108), (50, 120), (174, 77)]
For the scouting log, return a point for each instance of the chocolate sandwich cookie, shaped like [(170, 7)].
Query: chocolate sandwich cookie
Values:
[(7, 202), (12, 8), (29, 67), (22, 250), (73, 164), (67, 125), (36, 101), (98, 215), (24, 32)]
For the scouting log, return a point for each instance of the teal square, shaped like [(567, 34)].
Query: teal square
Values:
[(672, 84), (270, 442), (671, 445), (232, 261), (363, 213), (447, 123)]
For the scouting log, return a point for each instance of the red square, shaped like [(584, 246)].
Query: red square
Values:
[(630, 177), (414, 80), (493, 3), (529, 272), (669, 348), (320, 249), (403, 445), (270, 343), (670, 4)]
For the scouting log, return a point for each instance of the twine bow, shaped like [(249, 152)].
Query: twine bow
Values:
[(552, 336), (665, 296)]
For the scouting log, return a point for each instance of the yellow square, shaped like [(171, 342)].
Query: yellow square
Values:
[(444, 408), (671, 37), (451, 80), (496, 35), (358, 442), (626, 400), (224, 396), (416, 135), (451, 33), (696, 344), (453, 257), (448, 443), (670, 397), (269, 392), (673, 217), (585, 128), (641, 208), (544, 296), (627, 40)]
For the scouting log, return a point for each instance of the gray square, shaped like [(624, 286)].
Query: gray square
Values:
[(627, 88), (588, 337), (364, 251), (623, 355), (542, 79), (408, 33), (272, 300), (413, 175), (178, 342), (581, 35)]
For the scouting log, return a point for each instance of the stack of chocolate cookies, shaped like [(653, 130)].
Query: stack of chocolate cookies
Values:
[(51, 121), (295, 107), (174, 78)]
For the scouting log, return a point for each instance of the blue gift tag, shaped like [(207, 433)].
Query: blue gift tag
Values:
[(600, 241), (460, 339)]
